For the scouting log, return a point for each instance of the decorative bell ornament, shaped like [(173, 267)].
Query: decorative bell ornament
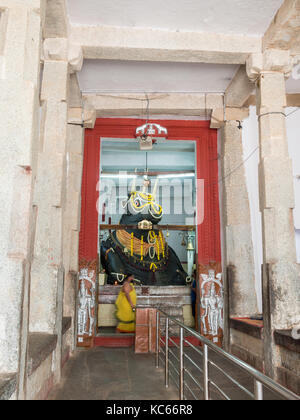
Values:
[(190, 246)]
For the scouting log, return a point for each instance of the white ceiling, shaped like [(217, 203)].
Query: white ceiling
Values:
[(222, 16), (249, 17), (293, 83), (101, 76), (109, 76)]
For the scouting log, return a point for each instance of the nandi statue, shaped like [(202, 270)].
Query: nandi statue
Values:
[(140, 250)]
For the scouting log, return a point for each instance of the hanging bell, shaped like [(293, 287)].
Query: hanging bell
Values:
[(190, 246), (168, 233)]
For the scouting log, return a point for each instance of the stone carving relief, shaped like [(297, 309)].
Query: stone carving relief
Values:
[(86, 303), (212, 304)]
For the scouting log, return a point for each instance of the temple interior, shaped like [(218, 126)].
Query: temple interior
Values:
[(173, 164), (149, 200)]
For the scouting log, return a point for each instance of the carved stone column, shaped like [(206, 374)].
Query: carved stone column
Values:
[(281, 275), (240, 293), (57, 192), (20, 40), (238, 238), (47, 274), (74, 150)]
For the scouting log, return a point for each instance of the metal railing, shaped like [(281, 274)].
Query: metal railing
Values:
[(203, 382)]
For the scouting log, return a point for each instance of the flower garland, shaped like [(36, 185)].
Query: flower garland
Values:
[(155, 246)]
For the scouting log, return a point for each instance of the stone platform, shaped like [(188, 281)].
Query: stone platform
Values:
[(174, 300)]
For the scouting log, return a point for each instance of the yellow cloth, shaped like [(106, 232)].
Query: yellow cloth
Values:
[(124, 312)]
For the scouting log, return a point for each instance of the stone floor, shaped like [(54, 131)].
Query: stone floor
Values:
[(119, 374), (112, 374)]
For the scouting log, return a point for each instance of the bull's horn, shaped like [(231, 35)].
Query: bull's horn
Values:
[(155, 189)]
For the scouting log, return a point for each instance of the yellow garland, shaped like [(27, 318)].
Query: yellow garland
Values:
[(154, 267), (142, 248), (139, 246), (158, 250), (152, 237), (149, 200), (162, 244)]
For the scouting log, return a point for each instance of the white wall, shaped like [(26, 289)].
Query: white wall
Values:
[(293, 131), (251, 155)]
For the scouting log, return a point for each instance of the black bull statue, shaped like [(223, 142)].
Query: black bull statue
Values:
[(143, 253)]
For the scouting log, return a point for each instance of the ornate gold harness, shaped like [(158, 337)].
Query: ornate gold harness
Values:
[(155, 247)]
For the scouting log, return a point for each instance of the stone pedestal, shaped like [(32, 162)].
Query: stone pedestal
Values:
[(174, 300)]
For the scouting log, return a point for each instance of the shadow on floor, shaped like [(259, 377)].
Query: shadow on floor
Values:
[(112, 374), (120, 374)]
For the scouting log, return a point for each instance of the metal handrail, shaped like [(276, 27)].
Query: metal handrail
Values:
[(260, 380)]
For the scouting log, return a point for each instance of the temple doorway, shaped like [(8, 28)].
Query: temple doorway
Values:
[(176, 176), (169, 169)]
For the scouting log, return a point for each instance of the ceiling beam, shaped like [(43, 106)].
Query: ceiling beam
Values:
[(239, 90), (284, 31), (159, 104), (292, 100), (143, 44)]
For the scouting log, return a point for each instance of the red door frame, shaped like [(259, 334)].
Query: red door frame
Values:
[(209, 242)]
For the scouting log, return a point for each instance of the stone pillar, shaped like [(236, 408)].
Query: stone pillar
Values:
[(47, 274), (237, 222), (281, 275), (75, 142), (20, 40), (81, 116)]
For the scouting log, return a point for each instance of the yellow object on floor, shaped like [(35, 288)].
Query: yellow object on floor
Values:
[(124, 313)]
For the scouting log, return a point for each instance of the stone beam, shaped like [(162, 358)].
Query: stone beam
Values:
[(75, 95), (284, 31), (117, 43), (219, 117), (60, 49), (271, 60), (56, 23), (292, 100), (239, 90), (160, 104), (36, 5)]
